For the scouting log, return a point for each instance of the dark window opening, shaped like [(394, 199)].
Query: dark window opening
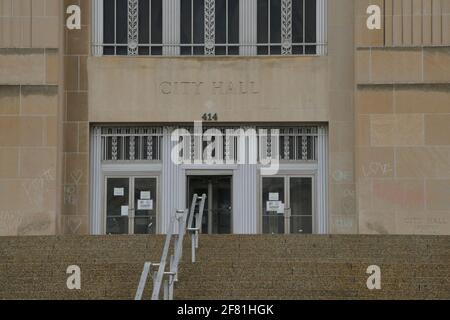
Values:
[(115, 27), (269, 27)]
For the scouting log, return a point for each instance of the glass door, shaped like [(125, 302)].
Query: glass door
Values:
[(117, 205), (220, 190), (131, 206), (273, 200), (288, 205), (144, 207), (217, 214), (301, 205)]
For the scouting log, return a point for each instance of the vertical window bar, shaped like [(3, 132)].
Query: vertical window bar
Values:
[(103, 148), (150, 147), (268, 26), (286, 146), (304, 26), (133, 27), (114, 148), (123, 155), (115, 27), (286, 27), (210, 39), (150, 41), (295, 153), (192, 27), (304, 148), (228, 147), (226, 27)]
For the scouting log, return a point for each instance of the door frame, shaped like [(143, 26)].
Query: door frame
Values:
[(131, 176), (217, 173), (286, 176)]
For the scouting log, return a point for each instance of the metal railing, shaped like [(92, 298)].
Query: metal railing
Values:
[(195, 226), (168, 278)]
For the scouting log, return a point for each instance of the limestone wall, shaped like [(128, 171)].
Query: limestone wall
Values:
[(403, 119), (75, 189), (385, 95), (29, 111)]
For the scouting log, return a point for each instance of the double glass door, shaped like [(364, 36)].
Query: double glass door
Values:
[(218, 207), (288, 205), (131, 205)]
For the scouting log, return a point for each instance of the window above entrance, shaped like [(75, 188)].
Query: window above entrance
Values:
[(131, 144), (138, 144), (209, 27)]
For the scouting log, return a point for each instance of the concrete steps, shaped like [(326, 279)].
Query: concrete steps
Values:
[(230, 267), (316, 267)]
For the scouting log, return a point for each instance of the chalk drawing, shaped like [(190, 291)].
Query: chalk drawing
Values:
[(377, 168), (70, 195), (38, 187), (340, 175), (73, 224)]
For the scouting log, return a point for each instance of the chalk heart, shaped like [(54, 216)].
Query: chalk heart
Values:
[(76, 176), (73, 224)]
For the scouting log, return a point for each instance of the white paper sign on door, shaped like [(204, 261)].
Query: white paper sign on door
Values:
[(145, 195), (274, 196), (145, 204), (119, 192), (273, 206), (281, 208), (124, 210)]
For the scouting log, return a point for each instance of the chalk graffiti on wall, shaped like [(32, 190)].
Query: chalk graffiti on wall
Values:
[(343, 223), (427, 225), (70, 195), (348, 202), (376, 169), (76, 176), (71, 191), (73, 224), (340, 176), (36, 189)]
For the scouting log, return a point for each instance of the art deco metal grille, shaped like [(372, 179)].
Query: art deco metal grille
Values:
[(296, 36), (131, 143), (297, 144), (210, 26), (133, 27), (286, 27)]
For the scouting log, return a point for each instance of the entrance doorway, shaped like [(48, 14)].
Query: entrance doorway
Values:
[(130, 205), (218, 206), (288, 205)]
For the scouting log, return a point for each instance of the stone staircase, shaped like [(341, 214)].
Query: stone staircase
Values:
[(35, 267), (317, 267), (230, 267)]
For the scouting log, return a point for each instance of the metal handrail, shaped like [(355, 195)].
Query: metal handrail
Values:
[(195, 230), (174, 260), (172, 275)]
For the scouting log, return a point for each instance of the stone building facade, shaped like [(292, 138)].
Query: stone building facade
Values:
[(375, 103)]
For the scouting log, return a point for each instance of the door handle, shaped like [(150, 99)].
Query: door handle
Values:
[(287, 213)]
